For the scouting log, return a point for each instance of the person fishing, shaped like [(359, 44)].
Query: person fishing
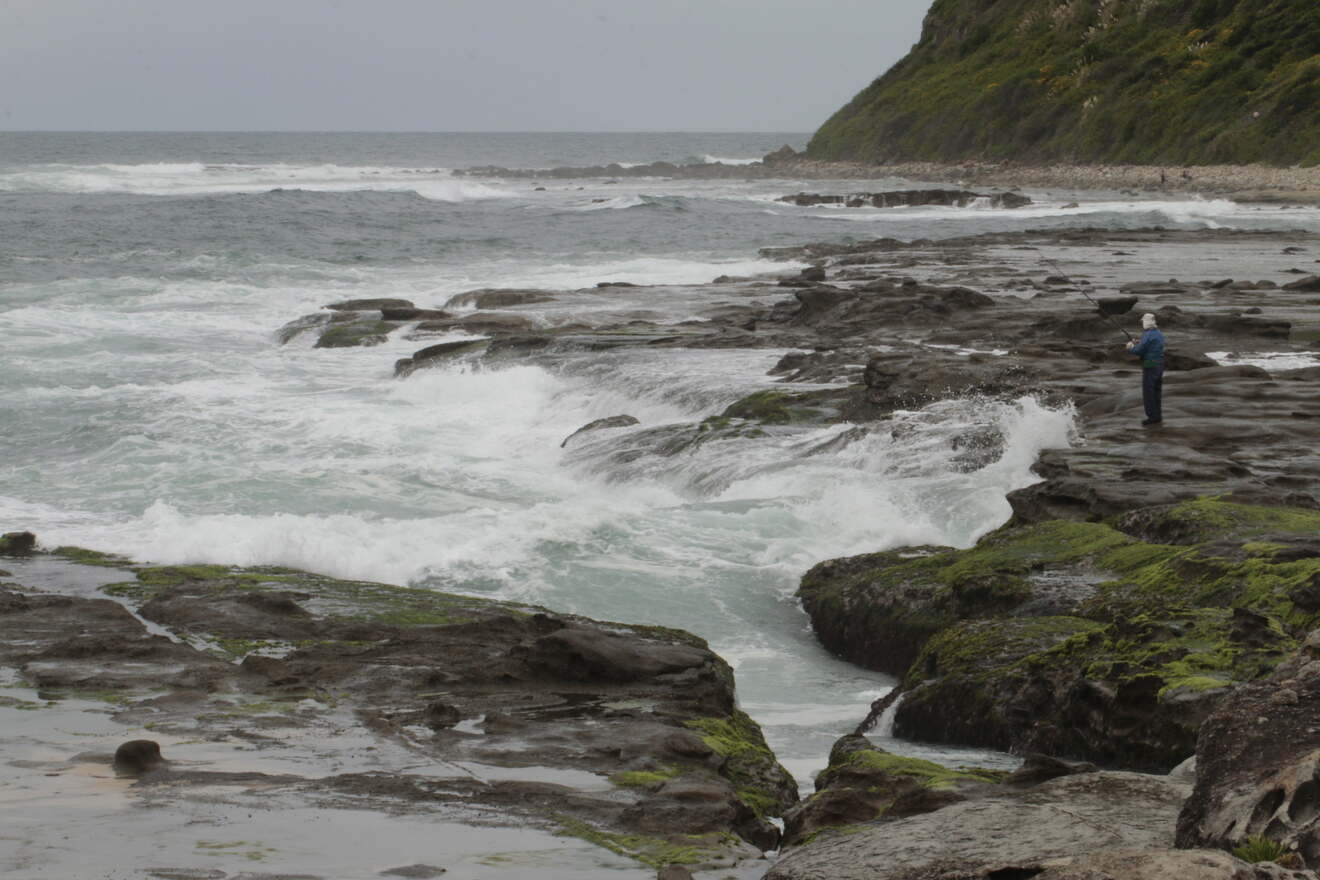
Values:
[(1150, 349)]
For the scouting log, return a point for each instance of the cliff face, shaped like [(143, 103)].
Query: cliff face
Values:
[(1131, 81)]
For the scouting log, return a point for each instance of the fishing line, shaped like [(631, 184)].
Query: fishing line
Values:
[(1057, 271)]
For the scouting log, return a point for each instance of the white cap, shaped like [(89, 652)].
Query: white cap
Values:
[(1148, 321)]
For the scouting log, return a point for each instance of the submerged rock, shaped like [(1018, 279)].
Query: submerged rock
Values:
[(620, 421)]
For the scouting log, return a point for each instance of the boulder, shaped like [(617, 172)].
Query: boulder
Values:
[(361, 332), (1258, 764), (138, 756), (17, 544), (863, 782), (1309, 284)]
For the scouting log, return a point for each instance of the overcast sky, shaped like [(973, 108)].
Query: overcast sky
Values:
[(443, 65)]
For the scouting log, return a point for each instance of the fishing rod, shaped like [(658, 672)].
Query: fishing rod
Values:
[(1057, 271)]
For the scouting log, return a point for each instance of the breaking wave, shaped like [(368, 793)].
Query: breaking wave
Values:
[(196, 178)]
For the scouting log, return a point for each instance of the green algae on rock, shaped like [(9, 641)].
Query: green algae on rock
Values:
[(879, 609), (1080, 638), (1131, 694), (490, 687), (369, 332), (17, 543), (748, 762), (863, 783)]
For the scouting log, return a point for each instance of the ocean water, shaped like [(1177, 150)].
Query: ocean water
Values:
[(146, 407)]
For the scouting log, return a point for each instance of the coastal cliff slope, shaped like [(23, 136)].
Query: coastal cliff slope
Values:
[(1130, 81)]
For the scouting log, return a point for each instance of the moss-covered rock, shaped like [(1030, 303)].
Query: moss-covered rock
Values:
[(1080, 638), (863, 783), (357, 333), (650, 708), (879, 609), (83, 556), (17, 543), (761, 783), (1131, 693), (1215, 518), (773, 407)]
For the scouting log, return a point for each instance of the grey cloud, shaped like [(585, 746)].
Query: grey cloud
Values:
[(469, 65)]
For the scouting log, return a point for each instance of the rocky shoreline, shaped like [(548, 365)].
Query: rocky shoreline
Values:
[(1248, 183), (1152, 599)]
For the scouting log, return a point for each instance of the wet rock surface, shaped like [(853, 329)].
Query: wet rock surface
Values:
[(1258, 760), (499, 713), (991, 835), (863, 783), (1150, 575), (1119, 606), (1109, 642), (910, 198)]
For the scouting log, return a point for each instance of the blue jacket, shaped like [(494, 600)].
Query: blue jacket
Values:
[(1150, 349)]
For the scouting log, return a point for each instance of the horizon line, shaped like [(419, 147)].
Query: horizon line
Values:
[(388, 131)]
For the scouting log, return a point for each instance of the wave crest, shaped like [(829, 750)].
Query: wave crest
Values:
[(196, 178)]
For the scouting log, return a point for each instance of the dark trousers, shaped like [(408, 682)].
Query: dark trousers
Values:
[(1152, 390)]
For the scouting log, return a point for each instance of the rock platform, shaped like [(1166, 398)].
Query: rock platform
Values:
[(1150, 578)]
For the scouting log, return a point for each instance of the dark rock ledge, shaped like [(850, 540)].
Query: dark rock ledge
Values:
[(492, 707)]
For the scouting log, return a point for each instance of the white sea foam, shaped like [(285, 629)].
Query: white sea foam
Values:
[(1274, 361), (884, 726), (571, 276), (711, 160), (1207, 213), (195, 178), (616, 203)]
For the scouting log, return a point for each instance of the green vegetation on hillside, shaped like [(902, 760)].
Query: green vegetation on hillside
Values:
[(1124, 81)]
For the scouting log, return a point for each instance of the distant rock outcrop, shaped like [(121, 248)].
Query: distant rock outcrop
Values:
[(910, 198)]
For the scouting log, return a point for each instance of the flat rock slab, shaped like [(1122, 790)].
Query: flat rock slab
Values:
[(1200, 864), (1060, 818), (272, 690)]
